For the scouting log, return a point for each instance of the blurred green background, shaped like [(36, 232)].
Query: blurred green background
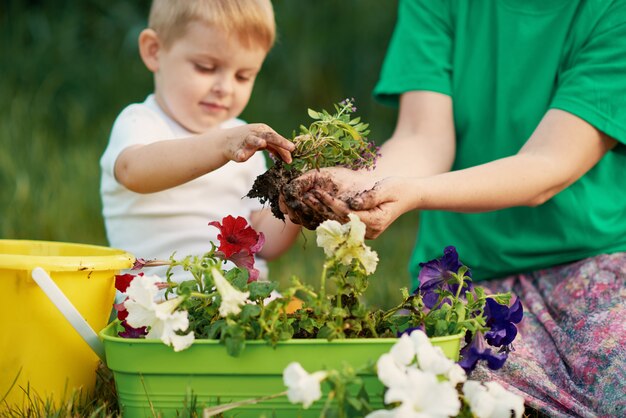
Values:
[(68, 67)]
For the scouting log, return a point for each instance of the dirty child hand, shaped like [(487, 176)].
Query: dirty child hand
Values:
[(243, 141)]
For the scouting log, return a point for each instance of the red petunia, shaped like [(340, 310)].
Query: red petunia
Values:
[(236, 236), (122, 281), (244, 259)]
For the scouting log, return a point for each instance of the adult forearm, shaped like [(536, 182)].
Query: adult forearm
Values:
[(561, 150), (521, 180), (414, 157)]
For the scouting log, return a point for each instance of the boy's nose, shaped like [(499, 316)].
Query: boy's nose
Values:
[(223, 85)]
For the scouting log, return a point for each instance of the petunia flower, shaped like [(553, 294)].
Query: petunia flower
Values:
[(432, 359), (232, 299), (423, 396), (302, 387), (236, 235), (437, 274), (244, 259), (161, 319), (330, 235), (491, 400), (501, 320), (391, 367), (347, 242), (122, 281), (238, 243), (478, 349)]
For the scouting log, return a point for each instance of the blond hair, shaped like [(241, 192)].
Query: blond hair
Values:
[(252, 21)]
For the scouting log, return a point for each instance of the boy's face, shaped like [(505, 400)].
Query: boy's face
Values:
[(206, 77)]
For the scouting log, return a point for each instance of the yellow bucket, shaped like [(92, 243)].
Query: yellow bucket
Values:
[(42, 356)]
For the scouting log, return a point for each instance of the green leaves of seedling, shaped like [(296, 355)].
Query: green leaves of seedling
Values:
[(332, 140)]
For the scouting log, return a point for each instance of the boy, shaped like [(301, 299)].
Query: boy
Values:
[(181, 158)]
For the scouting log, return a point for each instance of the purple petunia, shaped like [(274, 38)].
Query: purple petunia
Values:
[(501, 320), (502, 332), (437, 274), (476, 350)]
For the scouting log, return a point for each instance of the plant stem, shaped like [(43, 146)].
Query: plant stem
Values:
[(323, 280)]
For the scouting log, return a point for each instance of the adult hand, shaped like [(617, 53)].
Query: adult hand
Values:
[(243, 141), (377, 207), (299, 199)]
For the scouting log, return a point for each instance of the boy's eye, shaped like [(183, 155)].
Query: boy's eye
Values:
[(203, 68), (243, 77)]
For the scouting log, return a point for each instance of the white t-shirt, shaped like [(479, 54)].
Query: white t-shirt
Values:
[(154, 225)]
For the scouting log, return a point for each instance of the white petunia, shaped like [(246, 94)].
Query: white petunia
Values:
[(346, 242), (491, 400), (355, 246), (232, 299), (383, 413), (424, 396), (302, 387), (433, 360), (391, 367), (162, 319), (456, 374), (330, 235)]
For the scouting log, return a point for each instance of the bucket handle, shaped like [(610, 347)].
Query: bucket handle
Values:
[(69, 311)]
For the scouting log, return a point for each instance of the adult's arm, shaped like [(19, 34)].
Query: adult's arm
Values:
[(559, 152), (423, 142)]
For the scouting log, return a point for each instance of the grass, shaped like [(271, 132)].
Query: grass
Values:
[(100, 404)]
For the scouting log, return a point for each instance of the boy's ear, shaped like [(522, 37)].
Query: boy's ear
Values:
[(149, 47)]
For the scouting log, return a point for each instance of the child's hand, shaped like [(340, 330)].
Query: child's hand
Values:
[(242, 142)]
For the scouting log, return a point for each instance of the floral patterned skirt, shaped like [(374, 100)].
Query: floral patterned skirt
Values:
[(570, 353)]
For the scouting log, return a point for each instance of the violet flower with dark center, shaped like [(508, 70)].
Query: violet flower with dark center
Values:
[(477, 350), (501, 320), (438, 274)]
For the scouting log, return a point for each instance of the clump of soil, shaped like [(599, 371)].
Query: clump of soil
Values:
[(269, 186)]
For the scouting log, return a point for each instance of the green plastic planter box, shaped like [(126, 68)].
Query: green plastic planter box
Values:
[(153, 380)]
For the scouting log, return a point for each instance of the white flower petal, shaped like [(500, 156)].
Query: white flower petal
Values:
[(390, 373), (182, 342), (330, 235), (140, 304), (431, 358), (382, 413), (456, 374), (232, 299), (479, 400), (143, 289), (505, 401), (369, 259), (432, 397), (491, 400), (138, 315), (357, 230), (302, 387), (402, 351)]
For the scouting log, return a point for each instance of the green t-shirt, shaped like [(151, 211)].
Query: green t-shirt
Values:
[(505, 63)]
